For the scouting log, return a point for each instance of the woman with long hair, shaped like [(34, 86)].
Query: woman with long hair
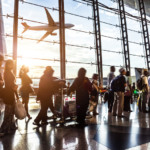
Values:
[(10, 98), (26, 88), (82, 86), (94, 93)]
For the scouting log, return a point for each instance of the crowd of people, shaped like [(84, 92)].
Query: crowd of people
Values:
[(120, 91)]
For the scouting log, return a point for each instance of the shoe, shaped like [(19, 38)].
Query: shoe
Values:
[(2, 134), (44, 123), (145, 111), (14, 128), (52, 117), (121, 116), (29, 117), (81, 125), (36, 123), (96, 113), (130, 111)]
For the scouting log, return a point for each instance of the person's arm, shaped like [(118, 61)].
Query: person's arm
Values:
[(125, 82), (145, 83), (1, 81), (73, 87)]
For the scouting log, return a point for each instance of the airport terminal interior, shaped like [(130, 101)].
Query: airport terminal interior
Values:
[(68, 35)]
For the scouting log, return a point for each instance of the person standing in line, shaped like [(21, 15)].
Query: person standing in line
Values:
[(10, 97), (82, 86), (110, 77), (1, 80), (26, 88), (145, 90), (119, 93), (94, 93), (128, 93), (148, 93)]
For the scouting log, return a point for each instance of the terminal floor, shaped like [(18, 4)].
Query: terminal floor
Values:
[(104, 132)]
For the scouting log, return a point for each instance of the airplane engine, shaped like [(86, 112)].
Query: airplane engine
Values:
[(54, 34)]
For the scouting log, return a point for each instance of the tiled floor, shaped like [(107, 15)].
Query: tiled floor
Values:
[(104, 132)]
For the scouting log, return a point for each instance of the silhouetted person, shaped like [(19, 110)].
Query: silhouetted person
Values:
[(26, 88), (119, 94), (110, 77), (9, 99), (47, 87), (82, 86), (1, 80), (128, 93), (95, 92), (145, 89)]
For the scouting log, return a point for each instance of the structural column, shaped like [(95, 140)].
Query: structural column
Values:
[(98, 40), (145, 32), (62, 40), (124, 34), (15, 34)]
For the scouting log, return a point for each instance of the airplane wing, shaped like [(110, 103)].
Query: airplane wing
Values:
[(50, 19), (44, 36)]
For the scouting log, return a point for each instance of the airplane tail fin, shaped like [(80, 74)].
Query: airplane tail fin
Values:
[(25, 26)]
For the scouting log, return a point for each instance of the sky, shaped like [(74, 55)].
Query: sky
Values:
[(45, 50)]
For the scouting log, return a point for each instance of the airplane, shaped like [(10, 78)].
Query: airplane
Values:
[(50, 27)]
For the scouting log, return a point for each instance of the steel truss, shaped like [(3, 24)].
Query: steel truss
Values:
[(124, 34), (62, 40), (98, 40), (145, 32)]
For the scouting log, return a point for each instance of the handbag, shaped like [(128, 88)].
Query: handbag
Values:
[(127, 93), (20, 111), (27, 89)]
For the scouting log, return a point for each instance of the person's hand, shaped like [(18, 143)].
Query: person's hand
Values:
[(1, 83), (17, 99), (15, 87)]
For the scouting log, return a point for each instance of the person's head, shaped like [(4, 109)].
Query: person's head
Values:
[(9, 65), (1, 60), (81, 73), (25, 69), (95, 76), (49, 70), (145, 72), (122, 71), (128, 73), (112, 69), (68, 84)]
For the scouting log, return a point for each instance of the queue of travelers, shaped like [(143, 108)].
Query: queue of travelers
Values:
[(120, 92)]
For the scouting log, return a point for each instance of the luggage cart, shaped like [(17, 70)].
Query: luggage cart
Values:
[(64, 106)]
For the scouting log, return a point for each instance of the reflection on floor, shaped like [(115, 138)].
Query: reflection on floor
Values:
[(104, 132)]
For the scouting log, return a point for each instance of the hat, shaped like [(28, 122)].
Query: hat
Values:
[(121, 70)]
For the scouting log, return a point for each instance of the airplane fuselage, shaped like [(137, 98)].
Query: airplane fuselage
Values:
[(49, 28)]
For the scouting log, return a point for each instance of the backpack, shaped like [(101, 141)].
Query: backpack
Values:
[(106, 97), (139, 84), (115, 84)]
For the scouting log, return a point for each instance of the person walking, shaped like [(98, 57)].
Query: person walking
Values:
[(47, 87), (26, 88), (119, 93), (10, 97), (82, 86)]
